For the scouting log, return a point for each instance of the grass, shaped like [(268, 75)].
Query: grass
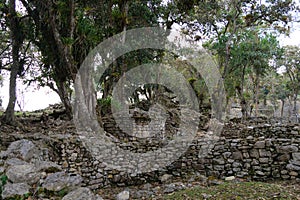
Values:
[(239, 191), (23, 113)]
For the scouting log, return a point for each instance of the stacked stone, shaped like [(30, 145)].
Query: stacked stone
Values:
[(271, 153)]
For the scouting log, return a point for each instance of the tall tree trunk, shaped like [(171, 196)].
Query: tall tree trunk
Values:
[(64, 97), (16, 44), (256, 94), (282, 107), (240, 91), (295, 104), (228, 106)]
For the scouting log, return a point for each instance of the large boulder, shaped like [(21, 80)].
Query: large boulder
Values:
[(81, 194), (61, 180), (23, 173), (12, 191), (47, 166), (23, 149)]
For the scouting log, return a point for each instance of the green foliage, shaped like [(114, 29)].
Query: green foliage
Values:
[(234, 29), (106, 103), (222, 17), (62, 192), (250, 52), (3, 181), (290, 60)]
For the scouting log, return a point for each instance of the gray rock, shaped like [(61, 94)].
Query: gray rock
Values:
[(147, 186), (229, 178), (81, 194), (47, 166), (227, 154), (250, 137), (23, 149), (254, 153), (287, 149), (169, 189), (293, 167), (263, 160), (296, 156), (260, 173), (219, 167), (143, 194), (236, 164), (15, 161), (295, 162), (284, 157), (293, 173), (206, 196), (3, 155), (23, 173), (214, 182), (15, 190), (61, 180), (260, 144), (237, 155), (166, 178), (2, 170), (219, 161), (125, 195), (264, 153)]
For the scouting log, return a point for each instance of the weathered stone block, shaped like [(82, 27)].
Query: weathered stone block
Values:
[(219, 161), (287, 149), (284, 157), (264, 153), (15, 190), (237, 155), (293, 167), (296, 156), (263, 160), (254, 153), (260, 144)]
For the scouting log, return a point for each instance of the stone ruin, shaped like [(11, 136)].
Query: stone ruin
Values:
[(257, 151)]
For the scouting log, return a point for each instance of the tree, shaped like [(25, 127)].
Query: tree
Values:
[(1, 84), (223, 24), (219, 19), (17, 39), (65, 32), (291, 62), (250, 55)]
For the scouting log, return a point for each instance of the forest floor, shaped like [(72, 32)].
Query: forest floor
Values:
[(45, 121)]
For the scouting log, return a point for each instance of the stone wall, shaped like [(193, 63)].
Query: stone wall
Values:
[(262, 152)]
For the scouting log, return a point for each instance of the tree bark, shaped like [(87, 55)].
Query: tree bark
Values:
[(16, 44), (295, 104), (282, 107), (240, 91), (64, 97), (256, 94)]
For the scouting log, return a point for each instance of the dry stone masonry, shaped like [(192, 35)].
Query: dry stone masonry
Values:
[(261, 153), (57, 161), (24, 173)]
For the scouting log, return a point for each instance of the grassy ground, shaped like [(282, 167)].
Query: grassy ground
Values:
[(243, 190)]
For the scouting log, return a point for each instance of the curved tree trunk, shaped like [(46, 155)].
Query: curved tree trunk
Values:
[(64, 97)]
